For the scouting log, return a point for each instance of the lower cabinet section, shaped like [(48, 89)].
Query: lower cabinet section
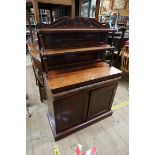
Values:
[(77, 110)]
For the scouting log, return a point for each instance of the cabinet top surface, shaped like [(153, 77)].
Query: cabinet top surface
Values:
[(75, 76)]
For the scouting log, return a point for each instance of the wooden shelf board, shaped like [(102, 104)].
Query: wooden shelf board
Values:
[(76, 49), (55, 30)]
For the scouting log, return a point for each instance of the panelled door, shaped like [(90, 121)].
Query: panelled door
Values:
[(71, 110), (101, 100)]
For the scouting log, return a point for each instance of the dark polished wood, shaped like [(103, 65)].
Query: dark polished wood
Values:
[(79, 85)]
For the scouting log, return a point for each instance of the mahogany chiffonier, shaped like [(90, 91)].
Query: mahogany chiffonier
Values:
[(79, 85)]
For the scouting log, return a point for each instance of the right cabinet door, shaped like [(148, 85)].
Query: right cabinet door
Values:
[(101, 100)]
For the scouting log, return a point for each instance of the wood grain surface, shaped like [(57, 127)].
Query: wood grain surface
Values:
[(61, 78)]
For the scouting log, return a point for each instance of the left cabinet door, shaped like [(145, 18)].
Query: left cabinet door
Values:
[(70, 111)]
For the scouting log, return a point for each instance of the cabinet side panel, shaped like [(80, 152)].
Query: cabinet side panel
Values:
[(49, 102)]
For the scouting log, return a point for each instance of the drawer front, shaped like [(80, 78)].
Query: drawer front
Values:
[(101, 100), (70, 111)]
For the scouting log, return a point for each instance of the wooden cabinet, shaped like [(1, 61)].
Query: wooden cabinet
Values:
[(80, 86)]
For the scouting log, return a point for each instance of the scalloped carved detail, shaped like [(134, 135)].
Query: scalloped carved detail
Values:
[(77, 22)]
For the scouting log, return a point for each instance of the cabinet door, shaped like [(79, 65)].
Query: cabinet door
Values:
[(70, 111), (101, 100)]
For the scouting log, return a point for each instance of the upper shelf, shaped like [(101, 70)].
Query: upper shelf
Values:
[(78, 49), (55, 30)]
